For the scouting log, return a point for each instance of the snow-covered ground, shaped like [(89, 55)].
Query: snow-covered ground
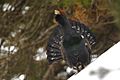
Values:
[(105, 67)]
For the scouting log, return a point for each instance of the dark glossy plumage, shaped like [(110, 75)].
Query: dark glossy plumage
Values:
[(71, 36)]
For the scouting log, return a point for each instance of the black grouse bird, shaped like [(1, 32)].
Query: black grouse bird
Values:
[(68, 42)]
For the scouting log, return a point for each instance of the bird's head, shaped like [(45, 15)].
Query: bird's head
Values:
[(60, 16)]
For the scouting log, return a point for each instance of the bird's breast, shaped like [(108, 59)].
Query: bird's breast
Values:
[(71, 41)]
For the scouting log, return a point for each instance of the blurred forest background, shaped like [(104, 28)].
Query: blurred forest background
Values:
[(25, 26)]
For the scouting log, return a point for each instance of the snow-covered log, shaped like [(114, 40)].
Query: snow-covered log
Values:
[(105, 67)]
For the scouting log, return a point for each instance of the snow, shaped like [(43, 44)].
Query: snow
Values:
[(41, 54), (22, 77), (5, 6), (105, 67), (4, 48), (25, 10), (114, 75), (9, 48), (8, 7), (12, 48), (13, 34), (40, 50), (19, 77)]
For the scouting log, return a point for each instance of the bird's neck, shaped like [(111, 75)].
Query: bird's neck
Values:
[(65, 23), (66, 26)]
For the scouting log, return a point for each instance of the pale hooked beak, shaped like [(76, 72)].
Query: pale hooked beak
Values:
[(56, 12)]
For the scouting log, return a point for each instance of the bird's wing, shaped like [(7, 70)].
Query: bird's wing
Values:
[(54, 45), (85, 32)]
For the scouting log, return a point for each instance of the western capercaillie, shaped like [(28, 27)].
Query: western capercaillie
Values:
[(68, 42)]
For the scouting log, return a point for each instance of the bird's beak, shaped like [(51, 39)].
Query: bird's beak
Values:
[(56, 12)]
